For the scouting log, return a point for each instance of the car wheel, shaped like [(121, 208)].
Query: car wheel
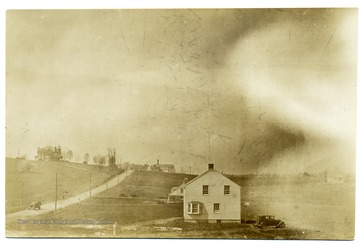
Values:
[(281, 225)]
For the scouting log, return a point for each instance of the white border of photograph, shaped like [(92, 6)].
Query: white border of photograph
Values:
[(137, 4)]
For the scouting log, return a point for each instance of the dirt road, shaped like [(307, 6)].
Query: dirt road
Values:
[(48, 207)]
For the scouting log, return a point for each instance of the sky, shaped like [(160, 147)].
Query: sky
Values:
[(250, 90)]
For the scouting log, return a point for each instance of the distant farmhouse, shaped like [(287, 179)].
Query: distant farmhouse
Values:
[(177, 194), (49, 153), (168, 168), (211, 197)]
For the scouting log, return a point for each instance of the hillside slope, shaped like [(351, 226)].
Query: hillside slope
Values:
[(28, 181), (148, 184)]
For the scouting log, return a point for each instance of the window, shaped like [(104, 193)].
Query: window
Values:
[(205, 190), (194, 208), (181, 191), (226, 189), (189, 208), (216, 207)]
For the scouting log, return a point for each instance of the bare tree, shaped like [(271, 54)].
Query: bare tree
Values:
[(99, 160), (69, 155), (86, 158), (112, 157), (63, 154), (96, 159), (102, 161)]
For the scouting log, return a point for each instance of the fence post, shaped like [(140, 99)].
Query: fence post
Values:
[(56, 181)]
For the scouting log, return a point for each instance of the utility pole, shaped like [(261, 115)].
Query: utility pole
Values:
[(90, 186), (22, 193), (56, 180)]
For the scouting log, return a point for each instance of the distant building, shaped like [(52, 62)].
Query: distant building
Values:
[(212, 197), (49, 153), (168, 168), (176, 194)]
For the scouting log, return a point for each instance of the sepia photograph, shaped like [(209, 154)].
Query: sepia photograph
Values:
[(193, 123)]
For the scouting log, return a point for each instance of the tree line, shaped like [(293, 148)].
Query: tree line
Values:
[(98, 159)]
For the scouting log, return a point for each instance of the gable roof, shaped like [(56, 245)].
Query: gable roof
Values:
[(175, 189), (179, 187), (210, 170)]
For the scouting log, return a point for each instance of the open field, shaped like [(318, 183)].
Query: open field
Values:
[(148, 184), (95, 217), (138, 219), (28, 181), (124, 211), (311, 210), (325, 207)]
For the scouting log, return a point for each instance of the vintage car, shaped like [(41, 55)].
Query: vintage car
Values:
[(35, 205), (269, 221)]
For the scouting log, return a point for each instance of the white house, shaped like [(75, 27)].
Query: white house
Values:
[(176, 194), (212, 197)]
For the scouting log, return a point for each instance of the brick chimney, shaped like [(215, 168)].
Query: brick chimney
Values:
[(157, 161), (211, 166)]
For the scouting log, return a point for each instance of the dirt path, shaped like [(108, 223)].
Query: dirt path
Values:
[(48, 207)]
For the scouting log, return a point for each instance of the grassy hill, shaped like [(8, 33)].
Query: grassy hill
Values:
[(148, 184), (28, 181)]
